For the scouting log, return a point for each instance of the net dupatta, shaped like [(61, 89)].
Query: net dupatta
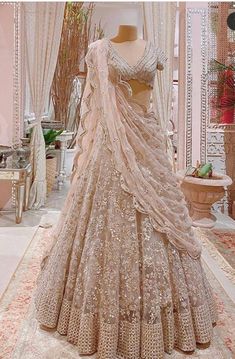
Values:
[(134, 137)]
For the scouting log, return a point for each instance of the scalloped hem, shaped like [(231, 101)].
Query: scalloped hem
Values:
[(127, 340)]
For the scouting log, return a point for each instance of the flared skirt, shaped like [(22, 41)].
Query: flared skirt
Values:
[(114, 285)]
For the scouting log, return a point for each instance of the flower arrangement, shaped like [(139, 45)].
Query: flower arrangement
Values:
[(223, 103)]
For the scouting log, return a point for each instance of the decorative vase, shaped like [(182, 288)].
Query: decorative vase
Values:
[(5, 152), (50, 173), (69, 156), (202, 194)]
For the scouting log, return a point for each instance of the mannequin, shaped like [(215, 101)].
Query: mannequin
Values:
[(132, 49)]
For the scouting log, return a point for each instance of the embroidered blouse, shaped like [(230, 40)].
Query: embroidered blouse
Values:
[(144, 70)]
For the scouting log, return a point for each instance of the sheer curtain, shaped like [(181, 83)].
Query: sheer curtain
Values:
[(159, 27), (42, 31)]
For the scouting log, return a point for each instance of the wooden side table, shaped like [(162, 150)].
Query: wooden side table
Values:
[(20, 176)]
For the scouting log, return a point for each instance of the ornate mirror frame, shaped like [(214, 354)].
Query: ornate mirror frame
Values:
[(193, 91), (196, 101), (17, 117)]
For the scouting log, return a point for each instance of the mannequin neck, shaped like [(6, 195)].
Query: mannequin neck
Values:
[(126, 33)]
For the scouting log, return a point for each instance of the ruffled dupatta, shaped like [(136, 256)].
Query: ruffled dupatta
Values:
[(134, 137)]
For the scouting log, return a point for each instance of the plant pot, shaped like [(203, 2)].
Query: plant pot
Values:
[(50, 173), (202, 194), (69, 156)]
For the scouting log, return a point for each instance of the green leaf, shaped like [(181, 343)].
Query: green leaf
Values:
[(50, 136), (204, 170)]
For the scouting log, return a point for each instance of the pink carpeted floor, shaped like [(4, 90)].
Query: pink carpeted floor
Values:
[(21, 337)]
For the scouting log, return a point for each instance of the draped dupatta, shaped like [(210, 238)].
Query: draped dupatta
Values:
[(135, 139)]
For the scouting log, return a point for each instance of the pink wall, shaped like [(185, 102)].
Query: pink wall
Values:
[(6, 73), (6, 86)]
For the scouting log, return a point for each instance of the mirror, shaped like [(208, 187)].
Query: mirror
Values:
[(231, 21)]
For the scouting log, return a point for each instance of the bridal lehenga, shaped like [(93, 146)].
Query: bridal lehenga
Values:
[(123, 277)]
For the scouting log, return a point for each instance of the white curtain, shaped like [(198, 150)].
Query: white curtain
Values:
[(42, 32), (159, 27)]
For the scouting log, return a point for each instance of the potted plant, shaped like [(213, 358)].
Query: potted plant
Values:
[(200, 171), (202, 187), (51, 160)]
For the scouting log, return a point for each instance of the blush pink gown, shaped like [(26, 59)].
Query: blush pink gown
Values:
[(123, 277)]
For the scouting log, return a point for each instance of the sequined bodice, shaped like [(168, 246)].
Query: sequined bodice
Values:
[(144, 70)]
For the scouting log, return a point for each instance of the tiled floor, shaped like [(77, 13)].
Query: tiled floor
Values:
[(13, 243), (32, 218), (224, 222), (15, 238)]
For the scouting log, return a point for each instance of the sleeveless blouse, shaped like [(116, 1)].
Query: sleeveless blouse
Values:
[(144, 70)]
